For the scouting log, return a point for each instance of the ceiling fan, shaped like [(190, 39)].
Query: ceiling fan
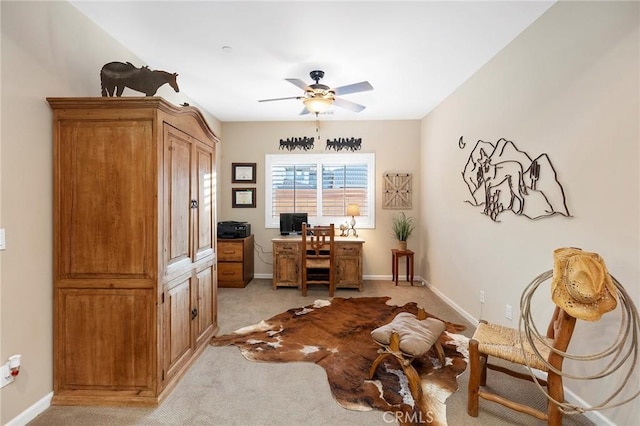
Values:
[(318, 97)]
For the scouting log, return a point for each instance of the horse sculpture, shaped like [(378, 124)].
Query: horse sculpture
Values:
[(115, 76)]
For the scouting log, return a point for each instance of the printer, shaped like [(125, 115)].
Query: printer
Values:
[(232, 229)]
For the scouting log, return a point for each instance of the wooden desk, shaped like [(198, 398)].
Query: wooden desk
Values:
[(395, 256), (287, 261)]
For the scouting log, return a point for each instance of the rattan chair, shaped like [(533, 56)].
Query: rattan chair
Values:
[(504, 343), (318, 257)]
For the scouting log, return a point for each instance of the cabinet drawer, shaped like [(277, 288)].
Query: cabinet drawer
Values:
[(229, 271), (347, 249), (287, 247), (230, 252)]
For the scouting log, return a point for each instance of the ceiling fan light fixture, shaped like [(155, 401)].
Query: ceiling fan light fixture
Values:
[(317, 97), (317, 104)]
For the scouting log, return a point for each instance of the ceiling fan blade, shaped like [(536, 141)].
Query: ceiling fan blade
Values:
[(280, 99), (297, 82), (351, 106), (304, 111), (363, 86)]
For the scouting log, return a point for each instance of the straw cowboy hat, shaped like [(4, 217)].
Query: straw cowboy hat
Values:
[(581, 285)]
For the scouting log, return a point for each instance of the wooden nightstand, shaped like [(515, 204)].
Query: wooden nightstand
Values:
[(235, 262)]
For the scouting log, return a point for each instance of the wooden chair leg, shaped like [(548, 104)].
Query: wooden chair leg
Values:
[(413, 378), (440, 353), (556, 391), (484, 360), (332, 283), (376, 363), (474, 378), (415, 384)]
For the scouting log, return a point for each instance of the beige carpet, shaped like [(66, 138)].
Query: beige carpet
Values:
[(222, 388)]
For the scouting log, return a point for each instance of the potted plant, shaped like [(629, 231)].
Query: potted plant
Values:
[(403, 226)]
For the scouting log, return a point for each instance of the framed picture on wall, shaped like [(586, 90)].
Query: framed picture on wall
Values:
[(243, 172), (243, 197)]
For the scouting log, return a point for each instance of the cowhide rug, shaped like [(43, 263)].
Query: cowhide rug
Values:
[(336, 335)]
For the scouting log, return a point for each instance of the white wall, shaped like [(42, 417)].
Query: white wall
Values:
[(48, 50), (568, 86)]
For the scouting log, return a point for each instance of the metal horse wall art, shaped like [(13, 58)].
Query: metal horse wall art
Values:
[(115, 76), (338, 144), (290, 144), (502, 178)]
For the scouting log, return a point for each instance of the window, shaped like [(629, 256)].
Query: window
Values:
[(321, 185)]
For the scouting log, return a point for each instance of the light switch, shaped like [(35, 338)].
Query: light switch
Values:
[(2, 243)]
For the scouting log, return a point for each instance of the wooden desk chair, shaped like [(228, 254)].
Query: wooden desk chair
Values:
[(504, 343), (318, 257)]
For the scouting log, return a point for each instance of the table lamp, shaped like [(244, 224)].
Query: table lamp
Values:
[(353, 210)]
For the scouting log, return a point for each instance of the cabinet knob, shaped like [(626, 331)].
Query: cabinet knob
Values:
[(194, 204), (194, 313)]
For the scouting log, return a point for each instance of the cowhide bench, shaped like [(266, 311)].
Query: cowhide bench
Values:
[(408, 337)]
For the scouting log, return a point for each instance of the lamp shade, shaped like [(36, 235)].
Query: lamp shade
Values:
[(317, 104), (353, 210)]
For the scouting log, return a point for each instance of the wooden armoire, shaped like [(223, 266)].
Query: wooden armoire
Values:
[(134, 262)]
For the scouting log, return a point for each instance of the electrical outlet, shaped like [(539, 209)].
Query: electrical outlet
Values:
[(481, 296), (508, 312)]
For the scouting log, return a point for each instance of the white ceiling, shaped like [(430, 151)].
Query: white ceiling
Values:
[(413, 53)]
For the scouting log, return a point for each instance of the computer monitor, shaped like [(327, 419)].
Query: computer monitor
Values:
[(291, 223), (297, 220)]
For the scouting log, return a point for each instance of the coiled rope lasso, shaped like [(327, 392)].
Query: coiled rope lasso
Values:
[(627, 337)]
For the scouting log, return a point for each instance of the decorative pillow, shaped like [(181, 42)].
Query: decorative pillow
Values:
[(416, 336)]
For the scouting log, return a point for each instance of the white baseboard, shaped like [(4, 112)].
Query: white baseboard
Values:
[(263, 276), (365, 278), (32, 412), (453, 305)]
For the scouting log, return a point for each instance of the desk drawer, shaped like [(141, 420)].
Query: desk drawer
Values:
[(347, 249), (286, 247), (230, 272), (230, 252)]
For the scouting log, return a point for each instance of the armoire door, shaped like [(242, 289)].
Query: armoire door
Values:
[(204, 236), (178, 200), (177, 326), (204, 317)]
